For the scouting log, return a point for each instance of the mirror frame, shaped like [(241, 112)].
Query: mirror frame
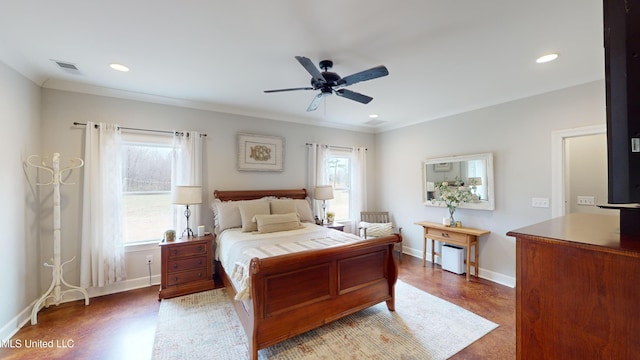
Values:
[(489, 204)]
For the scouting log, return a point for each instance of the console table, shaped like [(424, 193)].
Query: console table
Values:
[(461, 236)]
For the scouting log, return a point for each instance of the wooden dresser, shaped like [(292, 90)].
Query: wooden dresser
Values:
[(577, 289), (187, 266)]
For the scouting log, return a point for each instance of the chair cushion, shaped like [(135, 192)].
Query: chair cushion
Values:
[(377, 229)]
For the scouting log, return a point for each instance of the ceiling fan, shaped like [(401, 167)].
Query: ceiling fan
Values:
[(329, 82)]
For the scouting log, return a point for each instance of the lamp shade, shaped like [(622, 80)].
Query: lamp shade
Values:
[(323, 192), (186, 195)]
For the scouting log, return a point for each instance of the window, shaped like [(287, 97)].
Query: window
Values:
[(146, 191), (339, 172)]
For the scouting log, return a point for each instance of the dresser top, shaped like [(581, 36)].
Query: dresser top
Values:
[(583, 229)]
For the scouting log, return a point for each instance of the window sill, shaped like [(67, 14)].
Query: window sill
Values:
[(142, 246)]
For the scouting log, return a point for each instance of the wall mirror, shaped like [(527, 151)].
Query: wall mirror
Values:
[(469, 169)]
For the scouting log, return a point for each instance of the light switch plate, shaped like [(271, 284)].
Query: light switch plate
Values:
[(540, 202), (586, 200)]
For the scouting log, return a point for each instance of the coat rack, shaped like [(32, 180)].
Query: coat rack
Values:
[(53, 295)]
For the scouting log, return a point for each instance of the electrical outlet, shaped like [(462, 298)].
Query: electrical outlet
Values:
[(540, 202), (149, 259), (586, 200)]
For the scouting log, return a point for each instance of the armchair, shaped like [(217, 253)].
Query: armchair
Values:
[(375, 224)]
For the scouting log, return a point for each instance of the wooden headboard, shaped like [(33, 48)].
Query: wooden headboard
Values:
[(234, 195)]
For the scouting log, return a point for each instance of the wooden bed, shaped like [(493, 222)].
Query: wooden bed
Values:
[(295, 293)]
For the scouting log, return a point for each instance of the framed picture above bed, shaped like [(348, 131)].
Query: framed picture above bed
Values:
[(260, 153)]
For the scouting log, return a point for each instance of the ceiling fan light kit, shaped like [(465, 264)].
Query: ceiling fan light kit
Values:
[(331, 83)]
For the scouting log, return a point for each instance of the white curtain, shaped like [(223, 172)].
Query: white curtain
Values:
[(186, 170), (358, 185), (317, 160), (102, 245)]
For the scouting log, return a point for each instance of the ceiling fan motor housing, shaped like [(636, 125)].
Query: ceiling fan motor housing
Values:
[(331, 79)]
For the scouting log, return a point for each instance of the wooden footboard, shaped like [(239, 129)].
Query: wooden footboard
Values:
[(294, 293)]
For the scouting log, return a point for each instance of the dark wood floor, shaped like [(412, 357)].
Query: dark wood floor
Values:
[(122, 326)]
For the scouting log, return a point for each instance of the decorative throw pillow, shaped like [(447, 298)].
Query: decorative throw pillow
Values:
[(250, 209), (277, 222), (303, 206), (227, 214), (282, 206), (377, 229)]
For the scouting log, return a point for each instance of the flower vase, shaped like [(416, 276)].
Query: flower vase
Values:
[(452, 221)]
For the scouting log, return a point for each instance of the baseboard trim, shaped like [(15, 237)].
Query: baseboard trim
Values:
[(9, 329), (492, 276)]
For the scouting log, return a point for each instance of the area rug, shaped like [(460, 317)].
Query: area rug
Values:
[(205, 325)]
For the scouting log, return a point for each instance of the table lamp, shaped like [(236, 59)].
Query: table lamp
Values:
[(324, 193), (187, 195)]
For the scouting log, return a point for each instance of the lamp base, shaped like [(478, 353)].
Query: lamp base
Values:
[(188, 231)]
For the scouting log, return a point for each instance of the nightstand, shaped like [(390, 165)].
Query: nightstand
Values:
[(335, 226), (187, 266)]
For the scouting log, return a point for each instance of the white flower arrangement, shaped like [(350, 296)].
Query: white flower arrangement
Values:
[(452, 194)]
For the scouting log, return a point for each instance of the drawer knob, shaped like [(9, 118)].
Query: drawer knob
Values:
[(175, 266), (199, 262), (199, 275), (175, 278), (445, 235), (175, 252), (200, 248)]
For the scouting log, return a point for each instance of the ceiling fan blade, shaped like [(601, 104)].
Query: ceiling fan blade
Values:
[(315, 102), (373, 73), (311, 68), (290, 89), (352, 95)]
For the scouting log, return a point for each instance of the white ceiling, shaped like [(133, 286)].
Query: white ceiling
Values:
[(444, 56)]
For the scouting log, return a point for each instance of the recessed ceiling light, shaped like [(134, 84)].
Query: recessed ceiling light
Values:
[(119, 67), (373, 116), (546, 58)]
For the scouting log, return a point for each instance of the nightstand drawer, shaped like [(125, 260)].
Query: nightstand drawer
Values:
[(186, 264), (187, 250), (444, 235), (187, 276)]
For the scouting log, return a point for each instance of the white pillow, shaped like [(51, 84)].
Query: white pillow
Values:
[(277, 222), (226, 214), (283, 206), (377, 229), (250, 209), (303, 207)]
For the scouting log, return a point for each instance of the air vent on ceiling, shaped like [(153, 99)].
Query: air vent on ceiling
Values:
[(374, 122), (67, 67)]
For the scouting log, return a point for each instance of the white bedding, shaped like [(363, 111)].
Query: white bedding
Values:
[(235, 249)]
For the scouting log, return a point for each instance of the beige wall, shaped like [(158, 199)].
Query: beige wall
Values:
[(20, 120), (519, 135), (61, 108), (586, 172)]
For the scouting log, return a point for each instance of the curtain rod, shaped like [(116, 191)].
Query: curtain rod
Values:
[(336, 147), (137, 129)]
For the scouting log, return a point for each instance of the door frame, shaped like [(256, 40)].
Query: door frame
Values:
[(558, 163)]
